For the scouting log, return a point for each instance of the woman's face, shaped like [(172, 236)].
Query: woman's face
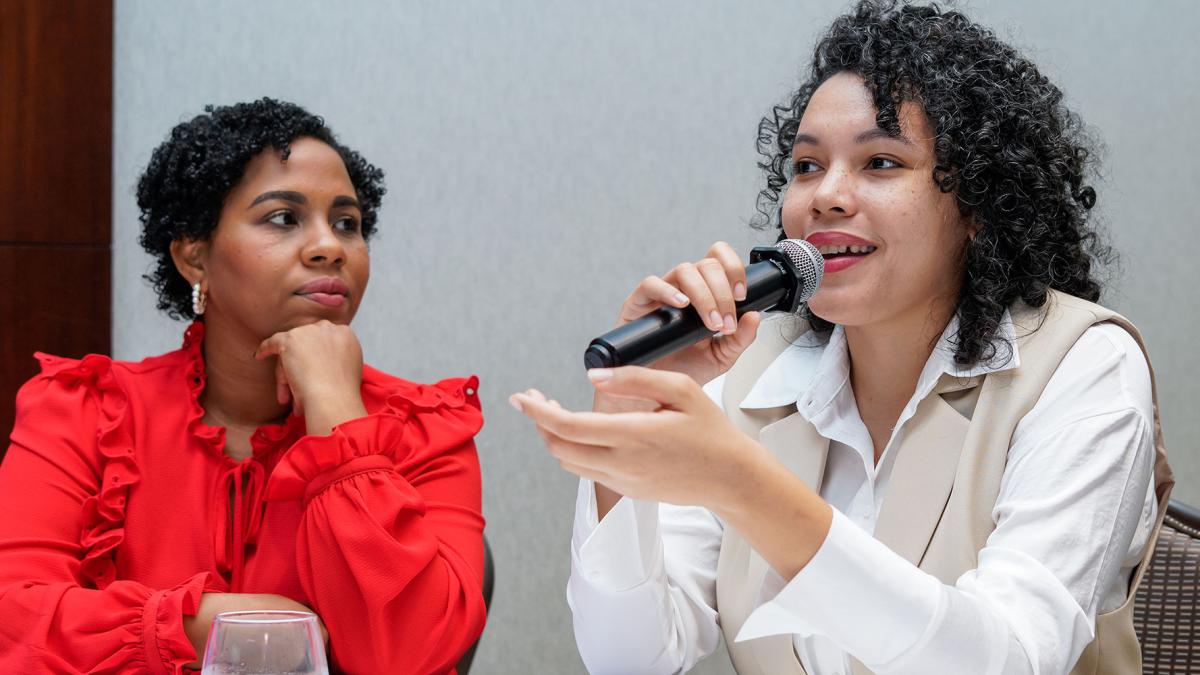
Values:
[(288, 249), (892, 241)]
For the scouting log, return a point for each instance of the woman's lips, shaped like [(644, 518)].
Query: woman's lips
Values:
[(840, 249), (327, 291), (838, 263), (327, 299)]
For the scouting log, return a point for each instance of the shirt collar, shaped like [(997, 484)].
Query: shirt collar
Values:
[(817, 366)]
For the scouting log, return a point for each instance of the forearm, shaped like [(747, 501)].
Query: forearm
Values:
[(772, 509), (197, 627), (892, 616)]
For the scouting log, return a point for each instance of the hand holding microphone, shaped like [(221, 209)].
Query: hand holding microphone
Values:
[(670, 321), (653, 434)]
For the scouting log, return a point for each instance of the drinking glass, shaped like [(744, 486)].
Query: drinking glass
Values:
[(272, 642)]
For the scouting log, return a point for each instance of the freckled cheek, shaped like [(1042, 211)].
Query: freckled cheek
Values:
[(792, 215)]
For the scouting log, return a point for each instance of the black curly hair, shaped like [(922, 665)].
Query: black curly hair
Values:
[(184, 187), (1013, 155)]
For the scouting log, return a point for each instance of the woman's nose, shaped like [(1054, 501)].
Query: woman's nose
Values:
[(834, 194), (323, 247)]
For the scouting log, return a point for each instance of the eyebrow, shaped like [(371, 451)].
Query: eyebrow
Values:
[(285, 195), (880, 134), (864, 137), (298, 198)]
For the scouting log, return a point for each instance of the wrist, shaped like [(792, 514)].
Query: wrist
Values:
[(742, 478), (779, 514), (326, 412)]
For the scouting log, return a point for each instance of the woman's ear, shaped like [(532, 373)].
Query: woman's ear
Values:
[(973, 228), (189, 256)]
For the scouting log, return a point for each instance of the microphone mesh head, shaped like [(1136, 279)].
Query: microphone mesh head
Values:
[(808, 260)]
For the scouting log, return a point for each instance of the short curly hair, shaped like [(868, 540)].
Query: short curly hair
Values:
[(1013, 155), (183, 189)]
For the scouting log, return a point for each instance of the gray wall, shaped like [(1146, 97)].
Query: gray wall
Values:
[(543, 157)]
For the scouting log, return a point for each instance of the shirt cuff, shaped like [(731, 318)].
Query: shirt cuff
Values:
[(855, 591), (365, 443), (166, 644), (620, 552)]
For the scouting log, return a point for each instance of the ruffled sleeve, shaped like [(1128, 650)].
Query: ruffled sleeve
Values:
[(390, 541), (103, 512), (63, 489), (419, 421)]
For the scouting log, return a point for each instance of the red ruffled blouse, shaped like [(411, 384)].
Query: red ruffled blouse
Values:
[(119, 507)]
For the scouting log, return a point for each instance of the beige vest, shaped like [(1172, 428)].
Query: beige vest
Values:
[(937, 512)]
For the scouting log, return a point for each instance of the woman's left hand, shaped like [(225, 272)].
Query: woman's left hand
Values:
[(685, 452), (319, 369)]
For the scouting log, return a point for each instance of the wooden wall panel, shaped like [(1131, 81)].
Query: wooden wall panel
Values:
[(55, 185), (56, 120), (80, 278)]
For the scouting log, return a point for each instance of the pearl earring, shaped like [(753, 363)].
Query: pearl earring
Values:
[(199, 299)]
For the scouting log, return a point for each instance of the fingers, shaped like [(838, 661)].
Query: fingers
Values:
[(735, 269), (730, 347), (587, 428), (713, 286), (669, 390), (577, 458), (652, 293), (722, 292), (695, 285), (283, 391), (272, 346)]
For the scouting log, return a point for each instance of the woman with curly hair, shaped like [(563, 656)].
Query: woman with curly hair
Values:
[(951, 464), (260, 466)]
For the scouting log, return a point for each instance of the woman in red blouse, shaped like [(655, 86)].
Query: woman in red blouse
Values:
[(260, 466)]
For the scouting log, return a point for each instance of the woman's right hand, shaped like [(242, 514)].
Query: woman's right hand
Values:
[(211, 604), (712, 286)]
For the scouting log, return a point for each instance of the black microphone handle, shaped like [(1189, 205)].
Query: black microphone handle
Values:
[(668, 329)]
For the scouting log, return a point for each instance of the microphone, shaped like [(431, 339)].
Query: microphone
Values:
[(779, 277)]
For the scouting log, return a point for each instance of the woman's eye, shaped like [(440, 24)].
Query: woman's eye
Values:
[(282, 218), (804, 166), (884, 163), (347, 224)]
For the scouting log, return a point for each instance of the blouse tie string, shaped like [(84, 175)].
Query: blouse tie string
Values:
[(242, 484)]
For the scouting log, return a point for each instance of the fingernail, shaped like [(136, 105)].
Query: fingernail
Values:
[(739, 291), (512, 400), (600, 374), (681, 298), (730, 324), (714, 320)]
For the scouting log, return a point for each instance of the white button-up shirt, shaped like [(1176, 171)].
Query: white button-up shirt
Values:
[(1075, 511)]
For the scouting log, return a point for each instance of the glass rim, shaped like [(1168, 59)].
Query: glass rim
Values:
[(263, 616)]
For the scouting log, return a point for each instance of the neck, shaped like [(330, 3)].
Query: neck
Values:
[(886, 359), (239, 390)]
